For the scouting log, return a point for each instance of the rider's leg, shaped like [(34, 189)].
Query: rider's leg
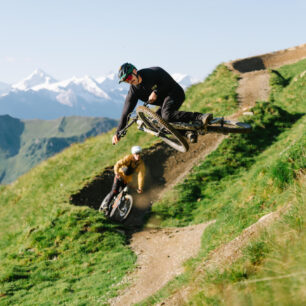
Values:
[(169, 111), (117, 184)]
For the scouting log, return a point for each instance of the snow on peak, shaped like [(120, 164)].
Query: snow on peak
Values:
[(110, 83), (38, 77), (86, 89), (178, 77), (69, 89), (109, 77), (86, 83), (183, 79), (92, 86)]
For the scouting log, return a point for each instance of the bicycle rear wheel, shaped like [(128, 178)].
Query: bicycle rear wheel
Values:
[(164, 130), (220, 125)]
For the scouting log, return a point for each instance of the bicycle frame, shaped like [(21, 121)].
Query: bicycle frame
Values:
[(183, 129), (121, 212), (195, 126)]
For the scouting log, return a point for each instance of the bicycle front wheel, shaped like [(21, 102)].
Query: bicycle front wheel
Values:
[(220, 125), (163, 129), (123, 209), (105, 200)]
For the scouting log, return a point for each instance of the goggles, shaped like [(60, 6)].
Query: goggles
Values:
[(128, 78)]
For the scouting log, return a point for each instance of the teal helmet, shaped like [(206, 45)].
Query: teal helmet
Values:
[(124, 71)]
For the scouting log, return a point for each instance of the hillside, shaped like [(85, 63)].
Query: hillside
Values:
[(56, 248), (25, 143)]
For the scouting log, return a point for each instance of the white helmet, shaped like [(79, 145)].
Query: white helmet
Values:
[(136, 150)]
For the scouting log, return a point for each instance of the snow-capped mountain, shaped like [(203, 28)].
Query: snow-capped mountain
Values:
[(38, 77), (43, 97)]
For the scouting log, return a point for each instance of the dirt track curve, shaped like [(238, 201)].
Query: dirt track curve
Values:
[(166, 167)]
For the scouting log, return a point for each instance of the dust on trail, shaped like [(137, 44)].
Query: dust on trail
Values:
[(161, 253)]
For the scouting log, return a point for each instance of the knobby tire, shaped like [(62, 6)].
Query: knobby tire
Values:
[(148, 117), (116, 211), (230, 126)]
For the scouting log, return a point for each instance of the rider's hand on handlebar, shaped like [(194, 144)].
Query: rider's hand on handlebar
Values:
[(115, 139), (152, 97), (139, 191)]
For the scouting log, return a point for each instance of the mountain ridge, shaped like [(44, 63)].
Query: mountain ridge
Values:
[(41, 96), (25, 143)]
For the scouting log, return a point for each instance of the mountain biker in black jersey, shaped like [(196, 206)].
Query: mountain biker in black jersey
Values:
[(155, 86)]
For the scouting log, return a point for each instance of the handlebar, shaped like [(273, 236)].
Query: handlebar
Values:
[(123, 132)]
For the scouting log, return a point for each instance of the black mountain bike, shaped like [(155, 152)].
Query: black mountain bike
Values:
[(121, 205), (175, 133)]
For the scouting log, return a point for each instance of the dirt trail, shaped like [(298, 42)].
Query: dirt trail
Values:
[(161, 253), (166, 168), (226, 254)]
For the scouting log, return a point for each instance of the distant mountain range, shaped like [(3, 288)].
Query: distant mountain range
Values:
[(25, 143), (40, 96)]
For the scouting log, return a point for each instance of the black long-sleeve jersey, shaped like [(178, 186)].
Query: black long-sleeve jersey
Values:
[(153, 79)]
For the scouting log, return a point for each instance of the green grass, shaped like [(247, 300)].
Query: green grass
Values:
[(52, 252), (241, 203), (272, 270), (216, 95), (77, 256), (193, 199), (50, 248), (247, 177)]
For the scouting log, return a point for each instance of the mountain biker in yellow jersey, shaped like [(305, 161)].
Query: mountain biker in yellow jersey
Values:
[(156, 86), (124, 170)]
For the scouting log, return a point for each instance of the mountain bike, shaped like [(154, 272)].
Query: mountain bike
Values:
[(175, 133), (120, 206)]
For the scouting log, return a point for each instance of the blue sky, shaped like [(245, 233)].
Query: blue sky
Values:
[(93, 37)]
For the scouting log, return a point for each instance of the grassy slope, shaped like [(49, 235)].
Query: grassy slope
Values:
[(244, 179), (51, 251), (216, 95), (49, 248), (47, 245), (37, 140)]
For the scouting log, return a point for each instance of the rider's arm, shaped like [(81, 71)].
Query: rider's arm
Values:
[(120, 163), (129, 105)]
